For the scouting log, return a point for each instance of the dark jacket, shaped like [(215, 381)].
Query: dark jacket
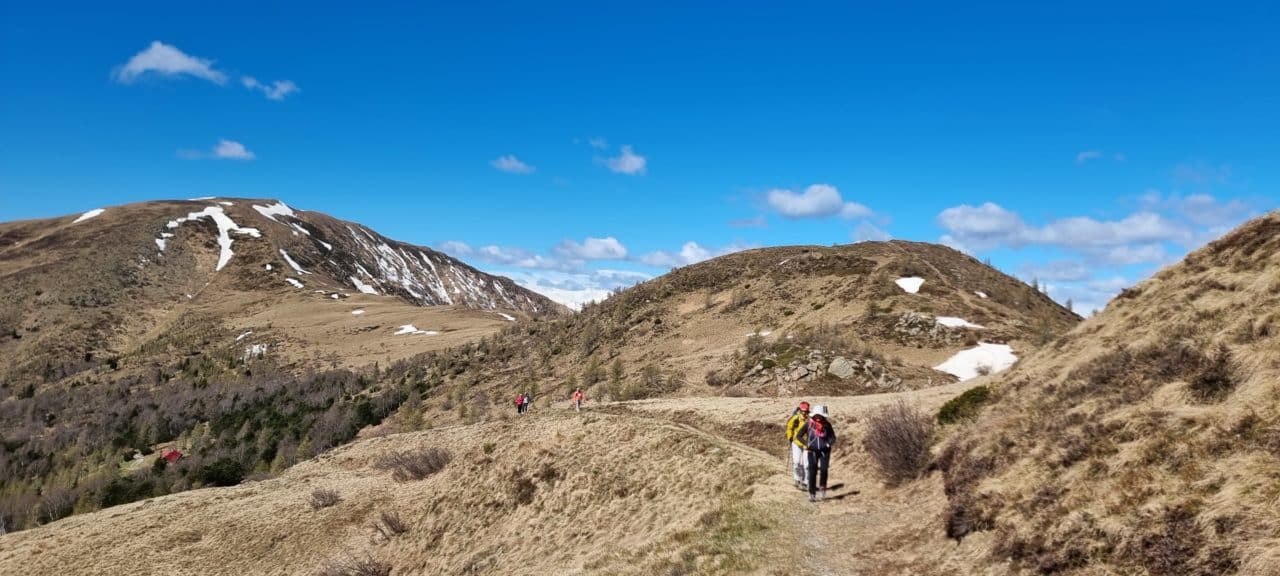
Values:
[(814, 441)]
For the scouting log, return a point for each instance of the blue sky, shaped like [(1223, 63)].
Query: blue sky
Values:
[(581, 146)]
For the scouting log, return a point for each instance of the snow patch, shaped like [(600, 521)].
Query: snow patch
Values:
[(335, 296), (90, 214), (953, 322), (268, 267), (910, 284), (243, 336), (270, 211), (508, 317), (225, 227), (361, 286), (160, 243), (980, 293), (411, 329), (967, 364), (296, 284), (292, 264), (225, 203), (327, 246), (761, 334), (299, 228), (357, 312)]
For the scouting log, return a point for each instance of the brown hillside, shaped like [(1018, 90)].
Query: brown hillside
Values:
[(1148, 439), (811, 309)]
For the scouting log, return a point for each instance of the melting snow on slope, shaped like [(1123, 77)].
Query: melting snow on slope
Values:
[(292, 264), (327, 246), (225, 227), (508, 317), (361, 286), (90, 214), (910, 285), (256, 350), (761, 334), (296, 284), (225, 203), (357, 312), (966, 364), (271, 211), (243, 336), (295, 226), (411, 329), (953, 322), (980, 293)]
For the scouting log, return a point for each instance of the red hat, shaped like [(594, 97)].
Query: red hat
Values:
[(804, 406)]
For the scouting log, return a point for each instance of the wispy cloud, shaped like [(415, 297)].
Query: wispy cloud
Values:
[(1087, 155), (276, 90), (817, 201), (598, 143), (607, 248), (160, 59), (757, 222), (867, 232), (223, 150), (512, 165), (628, 162)]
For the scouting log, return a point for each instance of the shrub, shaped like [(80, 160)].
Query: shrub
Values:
[(414, 464), (323, 498), (898, 438), (223, 472), (350, 566), (1216, 379), (390, 525), (964, 406)]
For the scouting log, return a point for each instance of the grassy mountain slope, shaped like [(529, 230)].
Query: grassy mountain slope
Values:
[(1147, 440), (768, 322)]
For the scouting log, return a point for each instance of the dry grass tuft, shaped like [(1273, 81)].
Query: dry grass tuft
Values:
[(389, 525), (323, 498), (352, 566), (898, 438), (414, 464)]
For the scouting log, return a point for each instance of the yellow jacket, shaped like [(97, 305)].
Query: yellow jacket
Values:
[(795, 425)]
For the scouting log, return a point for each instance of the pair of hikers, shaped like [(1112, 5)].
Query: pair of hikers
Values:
[(522, 402), (811, 436), (577, 398)]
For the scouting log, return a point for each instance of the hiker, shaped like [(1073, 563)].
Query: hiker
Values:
[(578, 396), (799, 460), (820, 436), (528, 402), (520, 404)]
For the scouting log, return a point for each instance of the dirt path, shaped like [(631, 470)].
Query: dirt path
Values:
[(862, 527)]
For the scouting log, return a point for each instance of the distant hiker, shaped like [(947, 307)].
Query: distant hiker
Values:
[(578, 396), (528, 402), (795, 429), (820, 436), (520, 404)]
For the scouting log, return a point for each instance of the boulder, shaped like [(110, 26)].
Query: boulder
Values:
[(841, 368)]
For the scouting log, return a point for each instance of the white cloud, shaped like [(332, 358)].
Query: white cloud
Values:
[(598, 143), (607, 248), (1057, 271), (223, 150), (276, 90), (164, 60), (511, 165), (690, 253), (990, 225), (866, 231), (628, 163), (575, 289), (231, 150), (817, 201)]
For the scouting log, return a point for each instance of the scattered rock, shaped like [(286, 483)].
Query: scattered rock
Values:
[(841, 368)]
